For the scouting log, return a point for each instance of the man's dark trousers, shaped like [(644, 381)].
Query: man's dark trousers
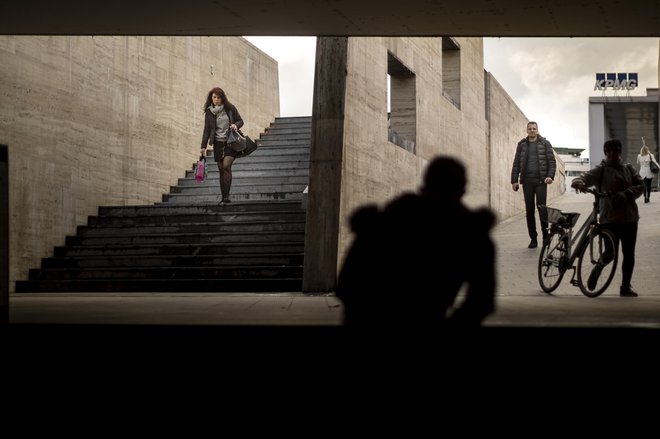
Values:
[(534, 190)]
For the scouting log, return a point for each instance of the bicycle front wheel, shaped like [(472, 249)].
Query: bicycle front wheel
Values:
[(552, 262), (597, 264)]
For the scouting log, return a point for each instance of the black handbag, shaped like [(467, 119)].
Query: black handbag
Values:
[(653, 166), (236, 141), (250, 147)]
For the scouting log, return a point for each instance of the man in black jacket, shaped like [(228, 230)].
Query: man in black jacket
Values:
[(534, 167)]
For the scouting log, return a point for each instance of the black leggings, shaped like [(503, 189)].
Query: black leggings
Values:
[(647, 188), (224, 158)]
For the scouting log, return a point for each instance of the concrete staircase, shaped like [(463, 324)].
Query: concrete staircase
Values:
[(190, 243)]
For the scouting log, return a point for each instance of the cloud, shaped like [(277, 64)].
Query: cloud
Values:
[(551, 79)]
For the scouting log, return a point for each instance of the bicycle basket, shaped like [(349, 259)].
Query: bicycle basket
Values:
[(556, 216), (550, 215)]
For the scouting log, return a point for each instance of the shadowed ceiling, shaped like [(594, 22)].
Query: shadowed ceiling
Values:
[(506, 18)]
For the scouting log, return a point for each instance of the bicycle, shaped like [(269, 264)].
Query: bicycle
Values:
[(595, 250)]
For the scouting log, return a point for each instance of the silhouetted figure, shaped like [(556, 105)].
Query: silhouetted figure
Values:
[(409, 260)]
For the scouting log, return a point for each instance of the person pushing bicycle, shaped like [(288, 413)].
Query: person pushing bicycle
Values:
[(618, 213)]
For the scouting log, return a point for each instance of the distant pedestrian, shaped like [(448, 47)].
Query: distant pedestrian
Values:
[(644, 160), (618, 212), (534, 167), (220, 116), (409, 260)]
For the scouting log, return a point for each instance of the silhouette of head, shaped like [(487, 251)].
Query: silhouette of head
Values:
[(612, 149), (444, 178)]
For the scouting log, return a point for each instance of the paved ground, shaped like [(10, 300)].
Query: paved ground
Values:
[(520, 301)]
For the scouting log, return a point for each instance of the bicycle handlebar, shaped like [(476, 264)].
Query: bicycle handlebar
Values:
[(596, 193)]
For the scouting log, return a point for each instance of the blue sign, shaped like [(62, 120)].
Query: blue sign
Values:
[(616, 81)]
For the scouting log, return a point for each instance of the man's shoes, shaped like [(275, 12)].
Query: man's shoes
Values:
[(225, 201), (595, 274), (533, 243), (627, 292)]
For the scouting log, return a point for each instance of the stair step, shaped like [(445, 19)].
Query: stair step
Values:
[(192, 208), (247, 196), (272, 161), (226, 272), (218, 219), (212, 187), (287, 135), (259, 174), (185, 183), (213, 249), (162, 285), (157, 229), (209, 188), (293, 119), (118, 261), (186, 238), (301, 167), (275, 147)]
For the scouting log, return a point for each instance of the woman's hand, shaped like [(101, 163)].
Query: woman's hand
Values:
[(233, 127)]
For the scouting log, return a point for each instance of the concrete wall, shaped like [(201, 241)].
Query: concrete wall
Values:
[(508, 125), (375, 170), (111, 121), (370, 169)]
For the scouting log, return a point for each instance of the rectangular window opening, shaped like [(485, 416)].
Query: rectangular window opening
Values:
[(401, 104), (451, 71)]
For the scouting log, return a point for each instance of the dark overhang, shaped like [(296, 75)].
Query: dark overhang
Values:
[(506, 18)]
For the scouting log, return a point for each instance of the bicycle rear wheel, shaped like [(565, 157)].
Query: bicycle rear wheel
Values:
[(552, 262), (597, 263)]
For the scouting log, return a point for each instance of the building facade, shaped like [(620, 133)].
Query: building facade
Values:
[(574, 164), (629, 119)]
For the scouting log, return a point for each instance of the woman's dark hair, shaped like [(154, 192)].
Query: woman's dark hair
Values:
[(220, 92), (613, 144)]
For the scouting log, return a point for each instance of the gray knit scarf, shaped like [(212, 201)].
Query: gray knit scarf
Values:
[(217, 109)]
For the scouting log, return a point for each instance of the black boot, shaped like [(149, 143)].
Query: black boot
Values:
[(627, 292)]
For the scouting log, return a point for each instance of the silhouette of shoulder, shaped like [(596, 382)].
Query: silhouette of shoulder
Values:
[(364, 218)]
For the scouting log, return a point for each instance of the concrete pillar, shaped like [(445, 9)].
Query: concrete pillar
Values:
[(326, 156), (597, 133), (4, 234)]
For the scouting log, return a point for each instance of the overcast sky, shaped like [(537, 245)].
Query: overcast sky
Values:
[(550, 79)]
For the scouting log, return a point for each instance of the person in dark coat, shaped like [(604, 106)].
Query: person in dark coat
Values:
[(220, 115), (534, 167), (618, 213), (409, 260)]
